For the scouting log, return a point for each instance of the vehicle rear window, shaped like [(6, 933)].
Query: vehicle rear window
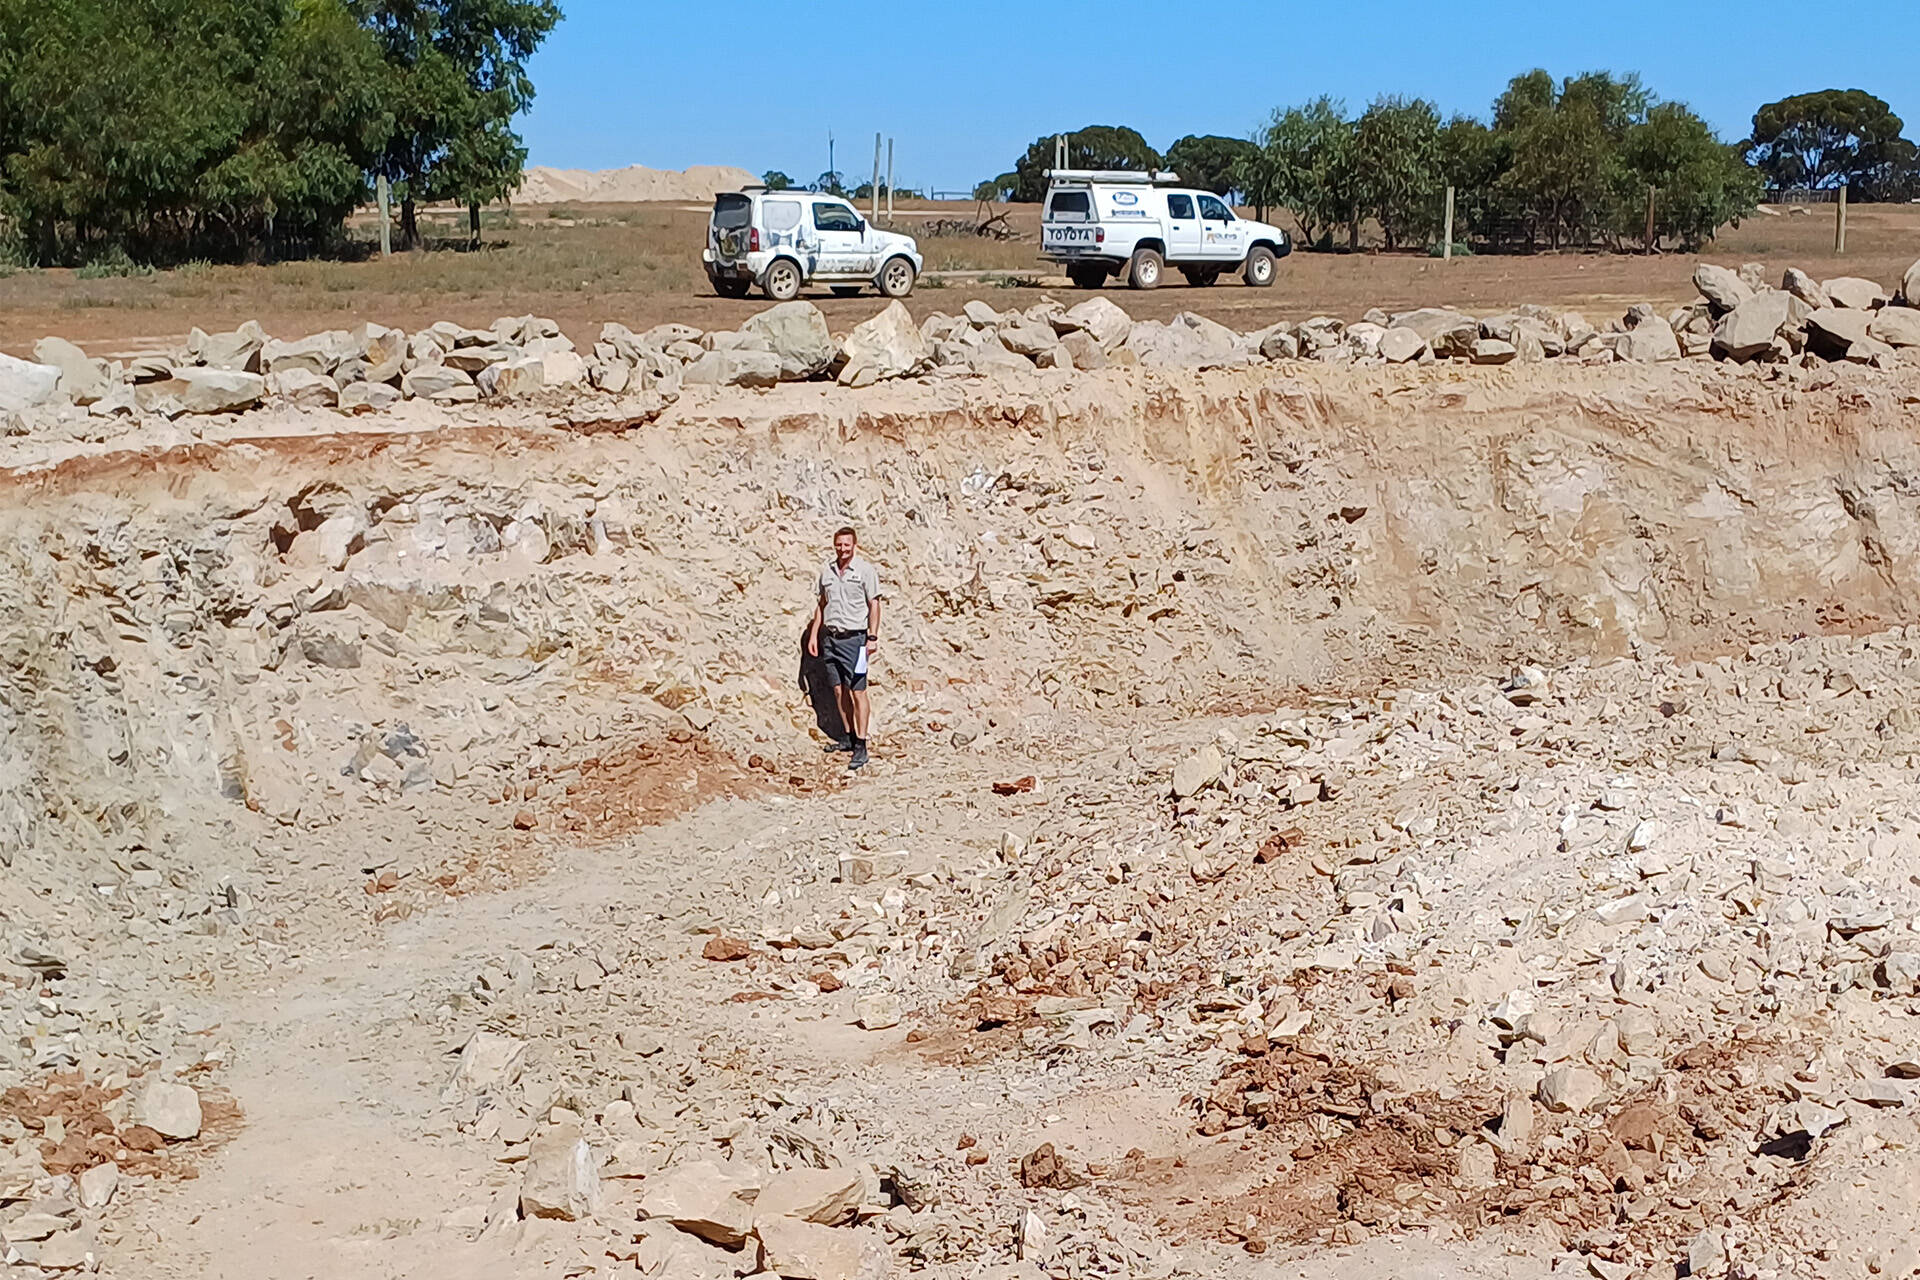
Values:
[(781, 215), (1070, 206), (1180, 206), (731, 210)]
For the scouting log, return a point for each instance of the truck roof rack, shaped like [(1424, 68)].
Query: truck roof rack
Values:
[(1112, 175)]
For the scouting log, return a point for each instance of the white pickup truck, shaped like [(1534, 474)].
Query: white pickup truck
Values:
[(1100, 223)]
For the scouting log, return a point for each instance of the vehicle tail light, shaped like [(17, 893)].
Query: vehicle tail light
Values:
[(1099, 235), (753, 240)]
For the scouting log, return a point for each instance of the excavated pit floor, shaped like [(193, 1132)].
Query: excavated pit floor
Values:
[(326, 748)]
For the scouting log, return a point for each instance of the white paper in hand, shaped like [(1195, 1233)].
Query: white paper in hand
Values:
[(860, 667)]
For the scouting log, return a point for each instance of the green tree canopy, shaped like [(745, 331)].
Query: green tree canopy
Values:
[(776, 180), (1396, 164), (1566, 177), (173, 128), (1000, 188), (1306, 166), (1699, 183), (1209, 161), (1097, 146), (1831, 137), (459, 76)]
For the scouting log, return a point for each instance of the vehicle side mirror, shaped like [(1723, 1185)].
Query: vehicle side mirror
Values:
[(860, 225)]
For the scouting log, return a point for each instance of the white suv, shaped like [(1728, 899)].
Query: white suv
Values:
[(1107, 222), (781, 240)]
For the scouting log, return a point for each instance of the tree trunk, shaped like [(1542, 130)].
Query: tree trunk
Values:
[(473, 224), (409, 225)]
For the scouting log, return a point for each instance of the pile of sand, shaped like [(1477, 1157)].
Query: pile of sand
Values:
[(543, 185)]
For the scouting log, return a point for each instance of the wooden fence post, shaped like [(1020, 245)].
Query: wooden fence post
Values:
[(384, 194), (1650, 190), (1840, 222), (873, 214)]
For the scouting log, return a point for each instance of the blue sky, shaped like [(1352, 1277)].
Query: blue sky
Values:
[(964, 85)]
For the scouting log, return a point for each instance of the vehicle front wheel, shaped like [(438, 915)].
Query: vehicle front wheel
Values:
[(1144, 271), (1200, 277), (1260, 268), (896, 278), (846, 291), (782, 283), (1087, 277)]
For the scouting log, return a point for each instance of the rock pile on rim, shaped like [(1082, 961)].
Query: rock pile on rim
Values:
[(1741, 318), (372, 367)]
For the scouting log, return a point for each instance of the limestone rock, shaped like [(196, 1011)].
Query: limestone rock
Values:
[(887, 346), (1896, 326), (827, 1196), (705, 1198), (1401, 345), (1198, 771), (981, 315), (1446, 331), (1493, 351), (1910, 285), (801, 1250), (237, 350), (1280, 343), (1651, 342), (519, 376), (1805, 287), (797, 333), (1108, 324), (562, 368), (1855, 293), (304, 387), (1721, 287), (1178, 346), (1086, 352), (368, 396), (1027, 338), (325, 646), (488, 1062), (170, 1109), (562, 1178), (1747, 332), (82, 380), (428, 380), (24, 384), (877, 1010), (1216, 336), (1571, 1089), (1840, 333), (97, 1185), (319, 353), (202, 390)]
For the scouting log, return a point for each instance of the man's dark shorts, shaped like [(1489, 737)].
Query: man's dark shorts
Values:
[(841, 654)]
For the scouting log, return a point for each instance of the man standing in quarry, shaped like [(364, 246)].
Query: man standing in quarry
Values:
[(846, 626)]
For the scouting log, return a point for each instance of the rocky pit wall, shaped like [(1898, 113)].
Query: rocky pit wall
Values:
[(1087, 541), (297, 624)]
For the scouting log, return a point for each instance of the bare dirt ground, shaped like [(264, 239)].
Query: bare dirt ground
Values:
[(640, 264), (1326, 822)]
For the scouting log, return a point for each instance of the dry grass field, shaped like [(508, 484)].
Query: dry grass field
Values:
[(641, 264)]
